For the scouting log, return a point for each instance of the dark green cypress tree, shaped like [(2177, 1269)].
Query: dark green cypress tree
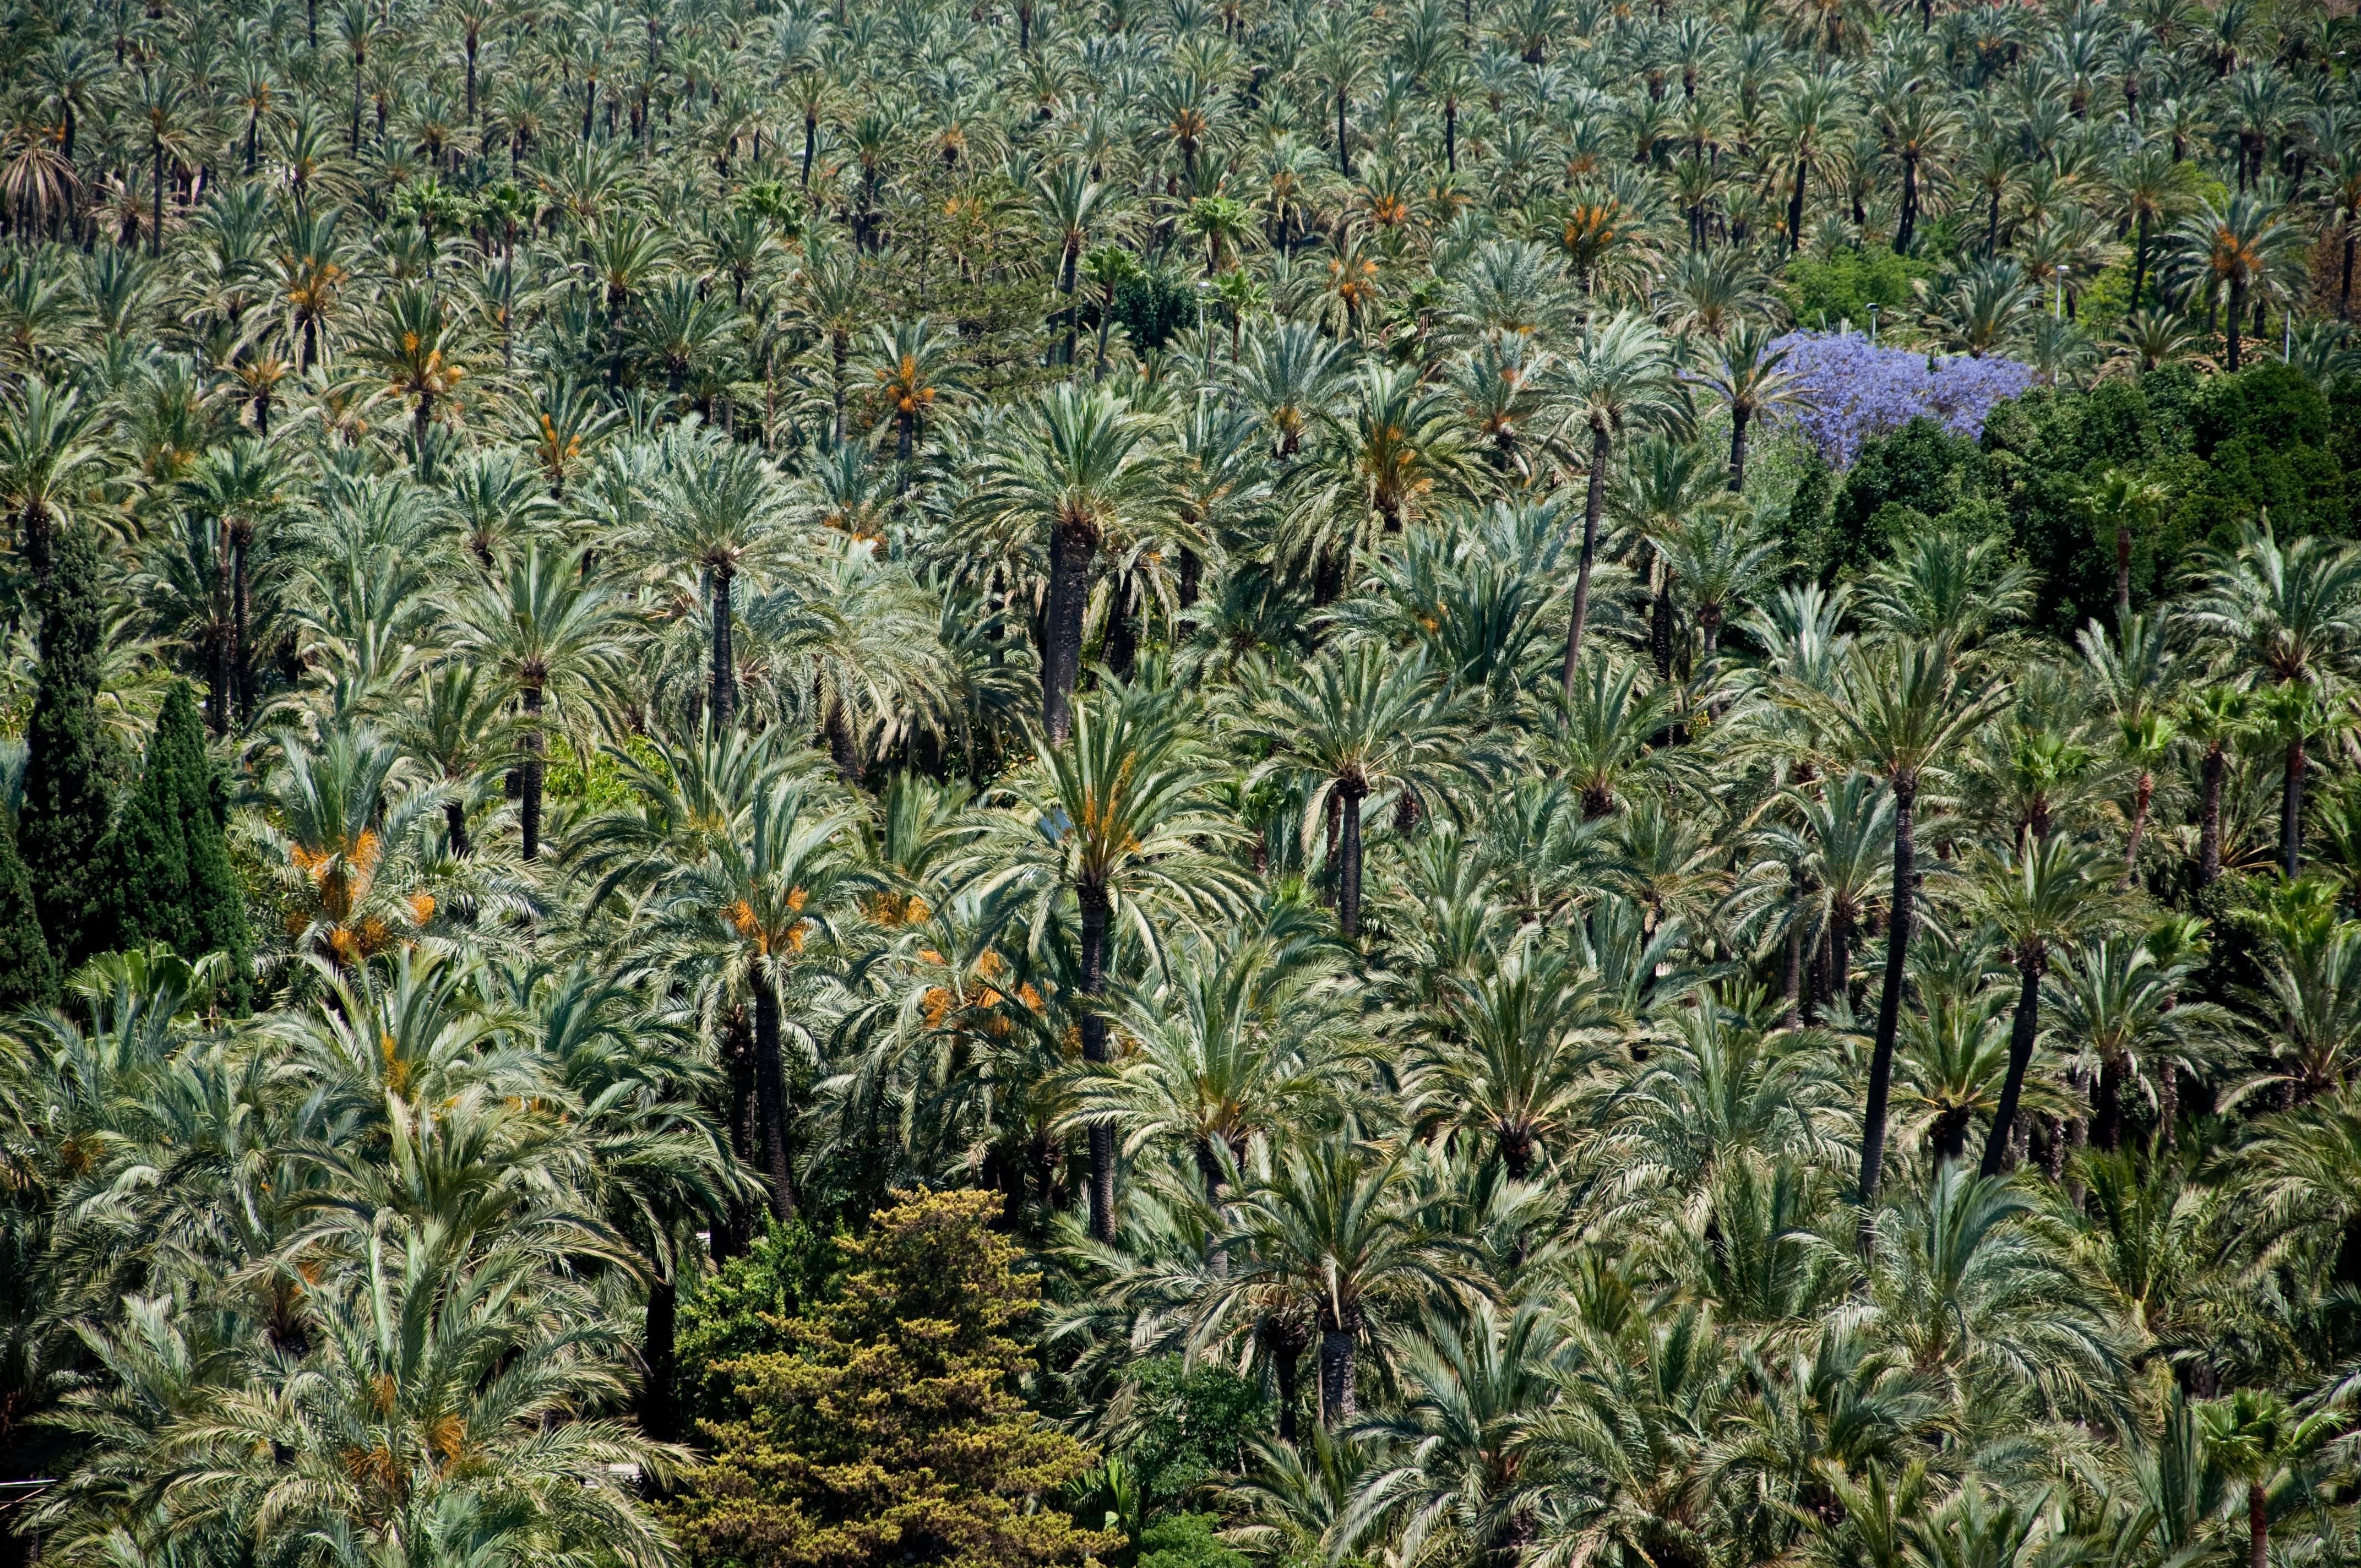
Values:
[(170, 878), (71, 765), (27, 976)]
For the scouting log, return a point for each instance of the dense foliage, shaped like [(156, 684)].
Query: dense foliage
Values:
[(1180, 784)]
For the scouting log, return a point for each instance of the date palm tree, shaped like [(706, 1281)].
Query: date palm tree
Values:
[(1513, 1056), (1899, 708), (1750, 378), (48, 447), (1118, 816), (1335, 1221), (2230, 251), (1465, 1437), (1079, 464), (2120, 1002), (756, 900), (1361, 721), (1622, 380), (719, 512), (546, 629), (2040, 899)]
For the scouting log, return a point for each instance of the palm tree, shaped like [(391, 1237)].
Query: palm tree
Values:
[(757, 898), (1840, 851), (1606, 733), (455, 733), (2120, 1002), (2123, 504), (2253, 1436), (548, 630), (717, 512), (1229, 1052), (1361, 721), (1465, 1435), (2150, 188), (912, 365), (1918, 127), (47, 447), (1622, 380), (1118, 815), (414, 349), (2039, 899), (1513, 1058), (1898, 707), (1069, 202), (1335, 1221), (1750, 377), (2215, 717), (1081, 464), (2232, 249)]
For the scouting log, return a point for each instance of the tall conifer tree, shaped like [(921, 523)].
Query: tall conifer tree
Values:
[(70, 764), (170, 877), (27, 976)]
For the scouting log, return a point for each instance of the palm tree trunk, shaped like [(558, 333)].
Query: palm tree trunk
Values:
[(843, 745), (1660, 615), (1739, 415), (1907, 227), (224, 659), (659, 1362), (455, 826), (530, 773), (2142, 794), (771, 1092), (1889, 1003), (1348, 889), (2139, 260), (1337, 1367), (2237, 306), (2107, 1105), (1071, 549), (1840, 953), (1796, 206), (1792, 983), (241, 613), (1594, 503), (2021, 1033), (2209, 830), (2122, 575), (2291, 810), (2259, 1525), (1096, 915), (725, 661), (1286, 1341)]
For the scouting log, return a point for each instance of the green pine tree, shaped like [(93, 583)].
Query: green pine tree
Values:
[(70, 764), (170, 877), (27, 976)]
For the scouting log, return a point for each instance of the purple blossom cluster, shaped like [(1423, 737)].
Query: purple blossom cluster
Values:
[(1855, 389)]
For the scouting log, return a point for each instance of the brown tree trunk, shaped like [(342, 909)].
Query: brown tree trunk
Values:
[(1349, 881), (1097, 914), (1889, 1003), (771, 1092), (2208, 829), (725, 659), (2023, 1030), (1594, 503), (532, 773), (1071, 549)]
